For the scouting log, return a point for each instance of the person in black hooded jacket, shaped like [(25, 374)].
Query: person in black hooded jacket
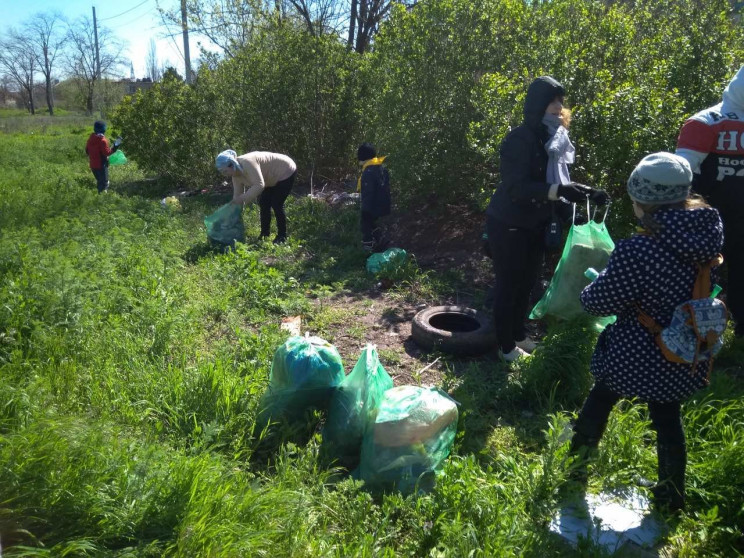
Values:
[(519, 211)]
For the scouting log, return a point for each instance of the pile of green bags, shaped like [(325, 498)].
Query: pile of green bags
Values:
[(587, 246), (304, 374), (409, 438), (399, 436), (225, 226)]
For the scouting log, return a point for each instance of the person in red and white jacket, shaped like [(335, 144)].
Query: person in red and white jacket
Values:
[(712, 141), (98, 151)]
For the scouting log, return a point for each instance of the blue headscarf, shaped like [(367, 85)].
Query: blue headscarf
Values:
[(227, 159)]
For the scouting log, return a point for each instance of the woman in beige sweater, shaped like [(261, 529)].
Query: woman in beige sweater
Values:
[(263, 175)]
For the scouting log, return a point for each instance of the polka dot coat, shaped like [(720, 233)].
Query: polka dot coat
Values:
[(658, 273)]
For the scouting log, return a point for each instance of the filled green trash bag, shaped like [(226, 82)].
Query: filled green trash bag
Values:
[(117, 158), (387, 261), (587, 246), (225, 226), (304, 374), (352, 406), (408, 439)]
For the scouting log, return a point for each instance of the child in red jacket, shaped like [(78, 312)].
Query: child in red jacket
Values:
[(98, 152)]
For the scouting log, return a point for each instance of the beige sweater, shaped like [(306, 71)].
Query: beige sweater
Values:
[(261, 169)]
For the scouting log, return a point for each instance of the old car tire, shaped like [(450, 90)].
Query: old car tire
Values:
[(454, 329)]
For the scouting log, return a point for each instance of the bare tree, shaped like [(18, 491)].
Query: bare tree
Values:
[(229, 24), (151, 62), (19, 63), (81, 59), (6, 93), (365, 20), (46, 35), (320, 16), (363, 17)]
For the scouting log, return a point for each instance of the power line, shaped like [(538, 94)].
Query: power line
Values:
[(125, 12), (135, 19)]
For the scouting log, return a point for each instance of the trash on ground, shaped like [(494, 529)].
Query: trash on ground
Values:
[(336, 198), (408, 439), (354, 404), (304, 373), (292, 325), (171, 202), (387, 261), (610, 520)]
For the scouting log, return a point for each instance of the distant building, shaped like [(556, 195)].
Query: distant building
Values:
[(131, 86)]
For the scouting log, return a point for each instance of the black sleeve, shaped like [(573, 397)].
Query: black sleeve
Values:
[(369, 189), (564, 210), (516, 167)]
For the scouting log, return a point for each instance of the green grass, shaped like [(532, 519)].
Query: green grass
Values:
[(132, 361)]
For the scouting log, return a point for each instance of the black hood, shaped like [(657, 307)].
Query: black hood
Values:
[(540, 94)]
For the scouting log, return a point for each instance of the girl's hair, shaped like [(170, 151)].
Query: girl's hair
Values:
[(652, 225), (566, 117)]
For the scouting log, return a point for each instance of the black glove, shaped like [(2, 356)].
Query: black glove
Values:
[(574, 192), (599, 197)]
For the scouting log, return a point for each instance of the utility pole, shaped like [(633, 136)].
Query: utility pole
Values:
[(98, 57), (185, 27)]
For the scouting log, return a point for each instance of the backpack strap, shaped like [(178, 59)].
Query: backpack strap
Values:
[(702, 283), (701, 289)]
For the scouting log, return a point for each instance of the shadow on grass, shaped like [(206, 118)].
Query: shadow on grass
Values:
[(505, 404)]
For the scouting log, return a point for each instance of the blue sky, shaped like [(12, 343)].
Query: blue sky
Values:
[(133, 21)]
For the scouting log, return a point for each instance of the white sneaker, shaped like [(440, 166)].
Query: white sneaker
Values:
[(514, 354), (527, 344)]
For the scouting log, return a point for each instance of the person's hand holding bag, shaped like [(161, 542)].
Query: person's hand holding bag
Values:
[(574, 192), (599, 197)]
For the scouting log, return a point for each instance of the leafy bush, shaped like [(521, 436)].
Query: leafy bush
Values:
[(286, 91)]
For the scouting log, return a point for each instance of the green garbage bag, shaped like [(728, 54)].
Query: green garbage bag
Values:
[(117, 158), (587, 246), (225, 226), (353, 404), (304, 373), (387, 261), (408, 439)]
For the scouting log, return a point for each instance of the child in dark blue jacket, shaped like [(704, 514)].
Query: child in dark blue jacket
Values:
[(374, 186)]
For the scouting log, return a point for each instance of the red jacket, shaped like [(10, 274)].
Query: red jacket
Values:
[(98, 151)]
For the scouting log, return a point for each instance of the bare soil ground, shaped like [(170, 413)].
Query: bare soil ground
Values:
[(442, 239)]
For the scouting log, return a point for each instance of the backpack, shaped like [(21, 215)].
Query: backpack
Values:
[(695, 333)]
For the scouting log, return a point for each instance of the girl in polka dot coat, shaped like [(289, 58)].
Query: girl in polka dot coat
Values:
[(655, 271)]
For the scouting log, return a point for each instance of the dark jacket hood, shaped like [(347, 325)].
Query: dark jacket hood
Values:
[(540, 94), (693, 235)]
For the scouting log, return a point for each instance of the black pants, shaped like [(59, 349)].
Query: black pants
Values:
[(273, 198), (733, 254), (370, 231), (102, 179), (517, 255), (592, 421)]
